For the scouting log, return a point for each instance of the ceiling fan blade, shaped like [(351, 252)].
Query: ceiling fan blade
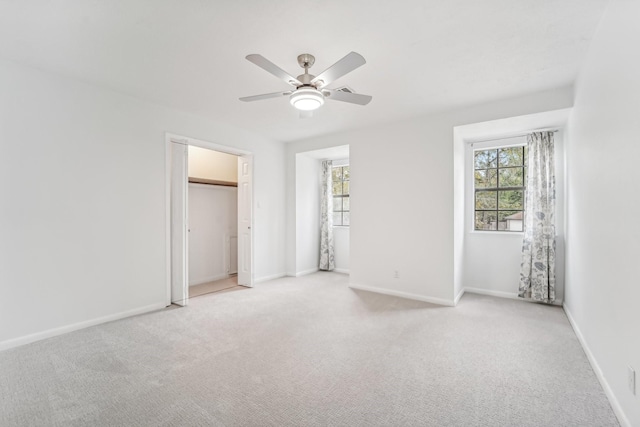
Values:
[(353, 98), (272, 68), (265, 96), (347, 64)]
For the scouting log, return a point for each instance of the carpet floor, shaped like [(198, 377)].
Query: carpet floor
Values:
[(310, 351)]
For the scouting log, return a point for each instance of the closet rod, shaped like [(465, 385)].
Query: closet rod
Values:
[(513, 136)]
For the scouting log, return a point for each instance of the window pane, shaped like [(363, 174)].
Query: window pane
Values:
[(512, 199), (526, 155), (511, 156), (345, 173), (486, 159), (337, 204), (486, 200), (510, 220), (336, 174), (337, 188), (345, 203), (345, 218), (337, 218), (345, 187), (486, 220), (486, 178), (511, 177)]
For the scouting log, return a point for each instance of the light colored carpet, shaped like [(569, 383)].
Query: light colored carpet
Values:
[(210, 287), (309, 351)]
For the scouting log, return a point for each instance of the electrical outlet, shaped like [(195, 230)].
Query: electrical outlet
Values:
[(396, 275), (631, 380)]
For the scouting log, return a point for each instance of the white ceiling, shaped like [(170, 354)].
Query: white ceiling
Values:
[(422, 55)]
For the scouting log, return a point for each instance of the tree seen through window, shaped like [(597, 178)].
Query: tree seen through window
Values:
[(499, 178), (340, 186)]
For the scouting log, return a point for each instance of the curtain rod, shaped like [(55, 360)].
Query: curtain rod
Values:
[(513, 136)]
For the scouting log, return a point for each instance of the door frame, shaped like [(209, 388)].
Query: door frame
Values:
[(178, 139)]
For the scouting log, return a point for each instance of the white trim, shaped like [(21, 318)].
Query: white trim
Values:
[(501, 294), (167, 214), (170, 137), (340, 162), (27, 339), (271, 277), (457, 298), (210, 279), (617, 408), (407, 295), (305, 272), (500, 233), (494, 144), (341, 270)]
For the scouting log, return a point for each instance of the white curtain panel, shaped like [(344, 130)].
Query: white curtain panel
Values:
[(327, 259), (537, 271)]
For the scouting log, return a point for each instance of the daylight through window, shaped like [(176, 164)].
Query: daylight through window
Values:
[(499, 184), (340, 178)]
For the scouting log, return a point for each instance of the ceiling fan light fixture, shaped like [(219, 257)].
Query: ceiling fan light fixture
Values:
[(307, 99)]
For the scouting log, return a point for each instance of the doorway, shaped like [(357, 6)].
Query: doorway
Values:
[(213, 220), (184, 266)]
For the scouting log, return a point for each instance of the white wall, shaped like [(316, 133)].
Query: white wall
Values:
[(403, 196), (308, 184), (603, 233), (341, 249), (83, 233), (213, 219)]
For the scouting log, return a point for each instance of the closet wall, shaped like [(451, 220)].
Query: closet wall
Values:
[(213, 215)]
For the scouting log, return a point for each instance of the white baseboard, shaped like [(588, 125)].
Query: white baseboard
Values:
[(27, 339), (457, 298), (433, 300), (270, 277), (305, 272), (501, 294), (617, 409), (314, 270), (210, 279)]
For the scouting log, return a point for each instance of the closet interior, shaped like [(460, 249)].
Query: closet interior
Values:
[(213, 221)]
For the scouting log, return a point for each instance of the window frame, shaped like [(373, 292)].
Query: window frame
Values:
[(474, 190), (342, 196)]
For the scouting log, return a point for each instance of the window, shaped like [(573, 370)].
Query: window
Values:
[(499, 188), (340, 178)]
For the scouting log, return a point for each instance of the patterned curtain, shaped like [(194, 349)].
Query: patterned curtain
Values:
[(537, 271), (327, 261)]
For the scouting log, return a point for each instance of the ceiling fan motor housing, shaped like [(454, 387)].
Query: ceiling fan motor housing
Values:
[(306, 80)]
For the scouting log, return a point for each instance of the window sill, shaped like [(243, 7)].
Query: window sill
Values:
[(500, 233), (340, 226)]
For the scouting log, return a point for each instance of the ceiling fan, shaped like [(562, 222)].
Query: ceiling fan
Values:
[(310, 91)]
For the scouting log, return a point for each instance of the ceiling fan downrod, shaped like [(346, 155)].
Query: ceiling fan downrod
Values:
[(306, 61)]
